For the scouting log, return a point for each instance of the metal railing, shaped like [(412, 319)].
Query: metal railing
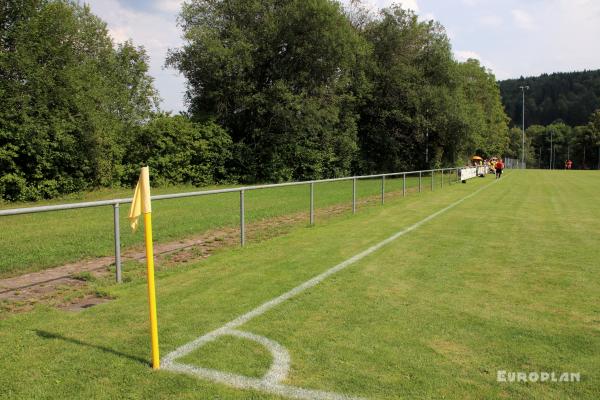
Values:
[(115, 203), (513, 163)]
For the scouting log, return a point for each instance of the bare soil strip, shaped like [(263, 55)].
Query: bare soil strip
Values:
[(43, 286)]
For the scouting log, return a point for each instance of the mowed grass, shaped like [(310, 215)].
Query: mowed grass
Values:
[(507, 280), (36, 241)]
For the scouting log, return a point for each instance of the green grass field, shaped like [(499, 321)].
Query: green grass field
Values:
[(505, 280), (36, 241)]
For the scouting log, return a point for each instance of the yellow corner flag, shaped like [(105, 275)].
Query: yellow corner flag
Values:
[(141, 205), (141, 199)]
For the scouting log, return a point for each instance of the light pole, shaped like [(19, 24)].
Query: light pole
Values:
[(551, 150), (427, 146), (427, 136), (523, 89)]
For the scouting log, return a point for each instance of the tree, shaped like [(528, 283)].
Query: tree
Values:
[(593, 137), (487, 124), (535, 135), (281, 76), (426, 110), (70, 99), (410, 68)]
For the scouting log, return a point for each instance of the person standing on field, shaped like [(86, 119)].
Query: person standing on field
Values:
[(569, 164), (499, 168)]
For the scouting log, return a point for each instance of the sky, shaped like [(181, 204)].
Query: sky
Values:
[(512, 38)]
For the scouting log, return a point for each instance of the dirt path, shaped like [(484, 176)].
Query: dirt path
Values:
[(43, 286)]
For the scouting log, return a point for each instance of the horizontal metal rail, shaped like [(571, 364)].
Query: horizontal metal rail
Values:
[(112, 202), (241, 190)]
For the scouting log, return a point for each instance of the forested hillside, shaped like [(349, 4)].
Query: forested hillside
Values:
[(562, 119), (568, 96)]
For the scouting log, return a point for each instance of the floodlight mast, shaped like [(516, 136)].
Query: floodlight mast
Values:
[(426, 137), (523, 89), (551, 149)]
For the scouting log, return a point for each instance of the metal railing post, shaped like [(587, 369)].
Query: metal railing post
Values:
[(420, 173), (353, 195), (312, 203), (442, 179), (242, 220), (403, 185), (382, 189), (117, 233), (432, 174)]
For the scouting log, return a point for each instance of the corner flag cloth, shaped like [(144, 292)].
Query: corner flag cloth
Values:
[(141, 205), (141, 199)]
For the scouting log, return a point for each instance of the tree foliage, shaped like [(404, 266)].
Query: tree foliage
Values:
[(308, 89), (281, 76), (69, 99), (277, 90), (411, 61), (553, 144), (180, 151)]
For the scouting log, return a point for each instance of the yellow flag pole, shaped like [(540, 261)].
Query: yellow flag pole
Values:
[(141, 204), (151, 290)]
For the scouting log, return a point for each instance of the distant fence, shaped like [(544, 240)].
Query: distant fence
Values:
[(513, 163), (115, 203)]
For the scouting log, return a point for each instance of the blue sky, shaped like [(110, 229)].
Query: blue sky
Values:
[(512, 38)]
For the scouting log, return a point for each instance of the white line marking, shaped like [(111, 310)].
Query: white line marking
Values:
[(281, 357), (270, 382)]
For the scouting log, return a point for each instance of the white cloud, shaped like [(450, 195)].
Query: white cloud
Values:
[(523, 20), (170, 6), (411, 4), (576, 26), (427, 17), (491, 21), (464, 55), (157, 32)]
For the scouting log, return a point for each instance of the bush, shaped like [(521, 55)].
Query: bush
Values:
[(13, 187), (178, 151)]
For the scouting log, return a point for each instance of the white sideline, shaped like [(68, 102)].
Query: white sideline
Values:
[(271, 381)]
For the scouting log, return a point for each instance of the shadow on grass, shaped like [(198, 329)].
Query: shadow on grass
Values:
[(50, 335)]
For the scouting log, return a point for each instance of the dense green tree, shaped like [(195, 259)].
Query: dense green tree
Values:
[(559, 142), (591, 138), (486, 124), (411, 63), (70, 99), (281, 76), (426, 109)]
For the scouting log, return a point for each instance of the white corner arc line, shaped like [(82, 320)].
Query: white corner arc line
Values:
[(270, 383)]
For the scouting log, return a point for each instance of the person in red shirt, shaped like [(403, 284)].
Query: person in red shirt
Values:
[(499, 168), (569, 164)]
